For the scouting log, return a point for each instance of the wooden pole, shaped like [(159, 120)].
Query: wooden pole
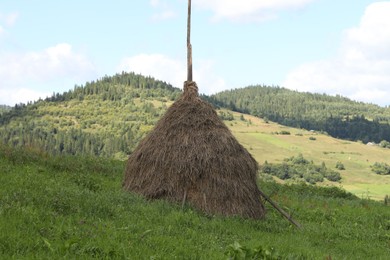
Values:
[(189, 46), (281, 211), (184, 199)]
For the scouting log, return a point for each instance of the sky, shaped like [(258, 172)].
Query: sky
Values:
[(337, 47)]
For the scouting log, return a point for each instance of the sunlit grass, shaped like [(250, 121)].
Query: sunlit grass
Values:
[(263, 142), (74, 208)]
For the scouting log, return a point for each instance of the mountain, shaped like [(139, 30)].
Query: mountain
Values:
[(340, 117), (109, 116), (106, 117), (112, 114)]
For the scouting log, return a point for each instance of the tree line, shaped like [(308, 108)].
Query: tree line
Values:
[(109, 116), (338, 116)]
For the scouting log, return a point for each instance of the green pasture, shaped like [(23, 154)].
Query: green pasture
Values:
[(265, 143), (74, 208)]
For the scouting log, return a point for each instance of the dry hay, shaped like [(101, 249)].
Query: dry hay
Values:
[(192, 155)]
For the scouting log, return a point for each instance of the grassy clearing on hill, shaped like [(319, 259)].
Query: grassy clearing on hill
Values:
[(265, 143), (74, 207)]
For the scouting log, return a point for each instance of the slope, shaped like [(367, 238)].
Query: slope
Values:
[(338, 116), (103, 118), (110, 116), (271, 142), (73, 207)]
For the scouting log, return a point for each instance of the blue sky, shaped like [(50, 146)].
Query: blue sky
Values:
[(324, 46)]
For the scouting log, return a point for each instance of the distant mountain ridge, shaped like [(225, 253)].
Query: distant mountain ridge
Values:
[(109, 116), (338, 116)]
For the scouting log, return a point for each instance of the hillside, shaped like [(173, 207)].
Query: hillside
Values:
[(108, 118), (271, 142), (338, 116), (103, 118), (73, 207)]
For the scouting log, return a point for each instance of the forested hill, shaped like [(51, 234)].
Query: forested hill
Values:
[(338, 116), (109, 116), (4, 108), (106, 117)]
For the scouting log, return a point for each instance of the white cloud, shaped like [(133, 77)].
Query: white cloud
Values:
[(20, 95), (164, 15), (361, 68), (208, 81), (155, 3), (7, 20), (35, 74), (53, 62), (11, 18), (249, 10), (157, 66), (164, 10), (174, 71)]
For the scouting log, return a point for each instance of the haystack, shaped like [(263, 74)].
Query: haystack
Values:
[(191, 156)]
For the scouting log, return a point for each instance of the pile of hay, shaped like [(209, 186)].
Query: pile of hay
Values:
[(191, 155)]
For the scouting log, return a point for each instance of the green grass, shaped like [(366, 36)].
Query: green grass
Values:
[(74, 208), (264, 144)]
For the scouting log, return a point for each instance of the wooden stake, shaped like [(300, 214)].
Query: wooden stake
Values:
[(189, 46), (184, 199), (287, 216)]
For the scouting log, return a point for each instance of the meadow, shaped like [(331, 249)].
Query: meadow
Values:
[(73, 207), (266, 143)]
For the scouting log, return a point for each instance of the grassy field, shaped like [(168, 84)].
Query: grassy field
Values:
[(263, 142), (74, 208)]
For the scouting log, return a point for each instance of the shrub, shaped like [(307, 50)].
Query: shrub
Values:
[(340, 166), (226, 116), (297, 167), (312, 138), (284, 132), (384, 144), (282, 171), (298, 159), (313, 177), (381, 168), (266, 168), (332, 175)]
